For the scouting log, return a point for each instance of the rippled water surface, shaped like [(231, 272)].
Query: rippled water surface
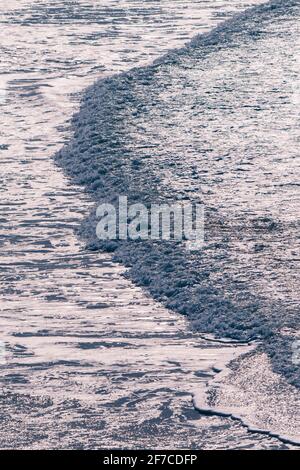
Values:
[(90, 360)]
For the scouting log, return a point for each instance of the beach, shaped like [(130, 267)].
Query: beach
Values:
[(97, 351)]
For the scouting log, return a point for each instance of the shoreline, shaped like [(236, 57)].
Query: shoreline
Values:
[(91, 359), (84, 160)]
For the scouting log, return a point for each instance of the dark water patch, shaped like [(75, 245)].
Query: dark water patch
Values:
[(203, 374), (72, 13), (35, 366), (14, 379), (91, 423), (23, 401), (106, 344), (281, 352), (97, 305)]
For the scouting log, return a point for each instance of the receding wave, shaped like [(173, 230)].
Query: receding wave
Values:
[(214, 122)]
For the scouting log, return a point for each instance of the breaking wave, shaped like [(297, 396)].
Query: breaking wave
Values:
[(213, 122)]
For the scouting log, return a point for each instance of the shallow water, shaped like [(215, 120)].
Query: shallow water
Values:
[(90, 361), (214, 122)]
